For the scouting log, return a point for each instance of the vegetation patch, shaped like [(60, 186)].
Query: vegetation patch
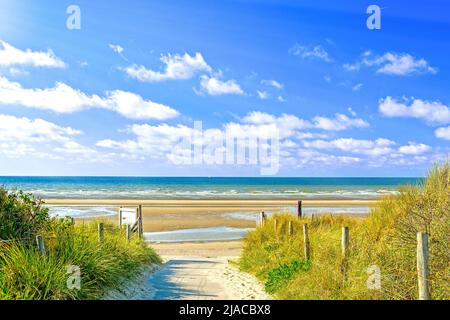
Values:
[(385, 240), (280, 275)]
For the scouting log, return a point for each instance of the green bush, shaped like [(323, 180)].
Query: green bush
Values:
[(21, 215), (278, 276)]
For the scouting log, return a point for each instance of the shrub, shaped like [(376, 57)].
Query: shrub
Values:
[(278, 276), (21, 215)]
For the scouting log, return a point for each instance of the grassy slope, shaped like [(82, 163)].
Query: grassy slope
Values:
[(25, 274), (387, 239)]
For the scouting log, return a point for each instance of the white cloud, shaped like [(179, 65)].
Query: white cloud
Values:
[(281, 99), (11, 56), (215, 87), (393, 64), (357, 87), (339, 123), (273, 83), (64, 99), (431, 112), (414, 148), (297, 148), (116, 48), (20, 137), (177, 67), (263, 95), (443, 133), (317, 52), (367, 147)]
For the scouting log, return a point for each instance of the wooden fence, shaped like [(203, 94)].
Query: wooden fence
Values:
[(422, 256)]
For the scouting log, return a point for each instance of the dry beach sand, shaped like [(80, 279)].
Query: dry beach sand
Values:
[(195, 271)]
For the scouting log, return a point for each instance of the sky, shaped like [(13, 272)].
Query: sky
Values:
[(117, 89)]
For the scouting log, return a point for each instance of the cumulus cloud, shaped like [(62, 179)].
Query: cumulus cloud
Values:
[(216, 87), (359, 146), (431, 112), (391, 63), (64, 99), (317, 52), (43, 139), (11, 56), (414, 148), (297, 146), (339, 123), (177, 67), (443, 133)]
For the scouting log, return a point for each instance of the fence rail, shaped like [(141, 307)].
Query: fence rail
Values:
[(422, 256)]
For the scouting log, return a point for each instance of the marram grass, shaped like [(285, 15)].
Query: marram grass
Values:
[(385, 239), (26, 274)]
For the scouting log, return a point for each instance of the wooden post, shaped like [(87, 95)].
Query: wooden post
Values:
[(300, 209), (275, 225), (120, 217), (345, 242), (290, 229), (128, 233), (100, 232), (140, 224), (345, 251), (306, 245), (262, 218), (422, 266), (40, 244)]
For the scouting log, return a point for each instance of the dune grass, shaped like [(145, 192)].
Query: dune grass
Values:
[(26, 274), (385, 239)]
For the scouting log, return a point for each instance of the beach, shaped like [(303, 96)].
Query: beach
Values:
[(170, 215)]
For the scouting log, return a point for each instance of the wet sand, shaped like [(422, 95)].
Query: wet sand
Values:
[(169, 215)]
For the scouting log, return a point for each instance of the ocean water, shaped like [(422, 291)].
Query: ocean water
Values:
[(200, 234), (205, 188)]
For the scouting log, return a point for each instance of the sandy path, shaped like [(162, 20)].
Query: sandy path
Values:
[(200, 274)]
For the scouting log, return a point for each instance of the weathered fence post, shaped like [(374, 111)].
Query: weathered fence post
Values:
[(40, 244), (422, 266), (344, 243), (120, 217), (300, 209), (100, 232), (306, 244), (275, 225), (140, 224), (128, 233), (262, 218), (290, 229)]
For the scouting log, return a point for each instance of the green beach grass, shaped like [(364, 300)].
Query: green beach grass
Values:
[(385, 240), (26, 274)]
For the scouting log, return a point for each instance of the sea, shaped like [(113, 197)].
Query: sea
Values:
[(190, 188)]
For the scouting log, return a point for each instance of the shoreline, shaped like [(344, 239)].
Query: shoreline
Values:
[(211, 203)]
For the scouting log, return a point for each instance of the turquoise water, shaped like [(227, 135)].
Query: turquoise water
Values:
[(205, 188)]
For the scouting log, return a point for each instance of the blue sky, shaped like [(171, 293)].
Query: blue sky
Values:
[(116, 96)]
